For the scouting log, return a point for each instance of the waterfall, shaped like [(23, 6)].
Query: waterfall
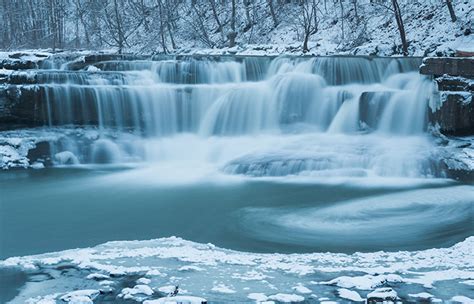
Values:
[(355, 99)]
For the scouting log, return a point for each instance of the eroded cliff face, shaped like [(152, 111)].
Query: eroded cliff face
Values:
[(451, 112), (452, 107)]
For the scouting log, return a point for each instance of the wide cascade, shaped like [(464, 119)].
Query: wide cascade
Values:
[(257, 116)]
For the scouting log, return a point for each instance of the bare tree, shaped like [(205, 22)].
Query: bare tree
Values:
[(342, 18), (220, 28), (449, 3), (121, 23), (272, 13), (308, 20), (232, 34), (401, 28)]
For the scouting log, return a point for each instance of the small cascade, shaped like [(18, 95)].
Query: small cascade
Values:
[(229, 97)]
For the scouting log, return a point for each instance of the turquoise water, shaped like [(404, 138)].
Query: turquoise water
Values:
[(54, 209)]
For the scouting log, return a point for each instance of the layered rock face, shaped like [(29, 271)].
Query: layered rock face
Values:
[(453, 107), (452, 112)]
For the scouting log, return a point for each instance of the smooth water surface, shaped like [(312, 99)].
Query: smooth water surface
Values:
[(55, 209)]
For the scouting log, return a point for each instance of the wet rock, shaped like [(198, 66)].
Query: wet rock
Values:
[(41, 153), (21, 107), (371, 106), (455, 116)]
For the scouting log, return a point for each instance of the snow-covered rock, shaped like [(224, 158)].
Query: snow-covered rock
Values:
[(85, 296), (382, 294), (349, 295), (177, 300), (286, 298), (139, 292)]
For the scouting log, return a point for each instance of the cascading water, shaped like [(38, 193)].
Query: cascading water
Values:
[(256, 116)]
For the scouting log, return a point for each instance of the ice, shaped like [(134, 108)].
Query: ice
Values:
[(286, 298), (259, 297), (97, 276), (422, 295), (177, 300), (222, 288), (167, 289), (367, 282), (349, 295), (92, 68), (462, 299), (404, 268), (302, 289), (144, 281), (80, 296), (137, 292)]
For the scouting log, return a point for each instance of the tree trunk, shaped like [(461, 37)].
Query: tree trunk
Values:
[(305, 42), (232, 34), (401, 28), (449, 3), (342, 18), (272, 13), (120, 38)]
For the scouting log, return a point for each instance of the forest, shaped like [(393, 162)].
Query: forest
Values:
[(167, 26)]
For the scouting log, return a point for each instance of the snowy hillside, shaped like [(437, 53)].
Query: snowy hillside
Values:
[(265, 27)]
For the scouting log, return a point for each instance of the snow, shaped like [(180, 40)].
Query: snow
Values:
[(373, 31), (190, 268), (144, 281), (257, 296), (286, 298), (92, 68), (416, 268), (366, 282), (222, 288), (302, 289), (383, 293), (462, 299), (177, 300), (136, 292), (97, 276), (167, 289), (349, 295), (80, 296), (422, 295)]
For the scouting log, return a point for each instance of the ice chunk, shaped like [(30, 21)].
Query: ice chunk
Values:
[(286, 298), (177, 300), (349, 295)]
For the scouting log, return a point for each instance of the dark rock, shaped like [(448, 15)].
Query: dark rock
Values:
[(455, 84), (17, 64), (447, 65), (21, 107), (40, 153), (456, 114), (382, 295), (371, 106)]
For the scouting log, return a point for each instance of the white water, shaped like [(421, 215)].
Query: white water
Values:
[(323, 116)]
